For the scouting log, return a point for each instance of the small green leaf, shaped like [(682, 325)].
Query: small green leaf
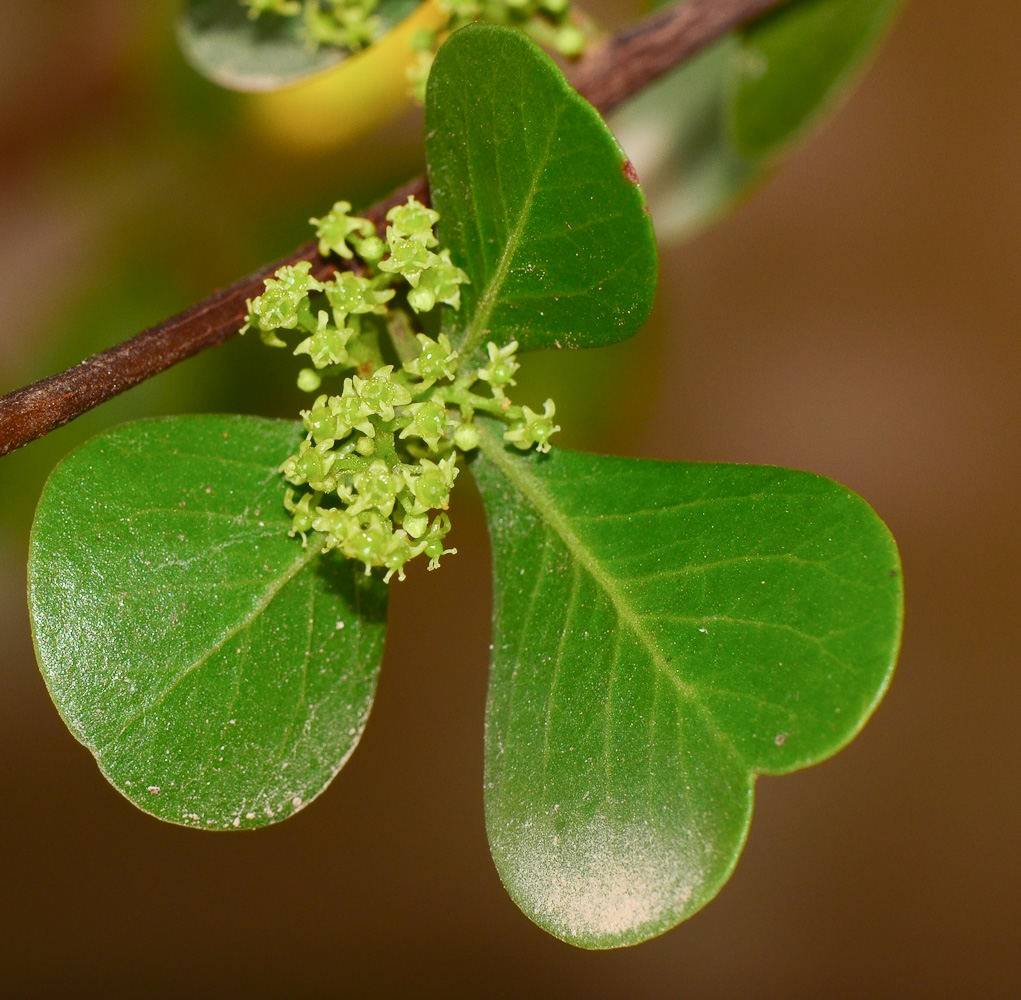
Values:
[(664, 632), (220, 673), (224, 44), (795, 60), (537, 201)]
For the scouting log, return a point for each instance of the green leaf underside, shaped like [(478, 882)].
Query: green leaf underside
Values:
[(664, 632), (795, 60), (225, 45), (220, 672), (535, 200), (705, 133)]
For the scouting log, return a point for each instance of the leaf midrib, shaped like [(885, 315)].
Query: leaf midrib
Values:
[(476, 326), (264, 602), (535, 492)]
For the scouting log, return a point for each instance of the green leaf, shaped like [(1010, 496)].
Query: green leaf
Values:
[(664, 632), (706, 132), (220, 673), (224, 44), (537, 201), (795, 60)]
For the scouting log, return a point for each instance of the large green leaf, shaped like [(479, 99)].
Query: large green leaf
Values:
[(223, 43), (664, 632), (537, 201), (220, 672), (702, 135)]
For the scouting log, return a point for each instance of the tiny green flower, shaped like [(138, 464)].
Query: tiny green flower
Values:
[(397, 553), (336, 227), (431, 544), (502, 365), (322, 422), (534, 429), (369, 542), (408, 258), (413, 221), (430, 484), (311, 465), (429, 422), (377, 487), (303, 513), (440, 283), (336, 524), (351, 294), (381, 393), (436, 360), (280, 305), (352, 411), (295, 280), (328, 345)]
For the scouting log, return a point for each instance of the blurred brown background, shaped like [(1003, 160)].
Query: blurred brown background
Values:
[(858, 317)]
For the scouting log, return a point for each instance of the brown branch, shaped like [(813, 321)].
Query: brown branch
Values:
[(629, 61), (614, 71)]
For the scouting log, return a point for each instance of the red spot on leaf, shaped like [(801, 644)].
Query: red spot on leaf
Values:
[(629, 171)]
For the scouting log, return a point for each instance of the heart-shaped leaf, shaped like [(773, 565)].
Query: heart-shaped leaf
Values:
[(537, 201), (225, 45), (664, 632), (220, 672), (702, 135)]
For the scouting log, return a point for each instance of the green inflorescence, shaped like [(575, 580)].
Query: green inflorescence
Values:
[(373, 476), (353, 24)]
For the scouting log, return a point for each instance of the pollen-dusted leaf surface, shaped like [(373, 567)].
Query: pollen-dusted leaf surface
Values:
[(537, 201), (663, 633), (220, 673), (224, 44)]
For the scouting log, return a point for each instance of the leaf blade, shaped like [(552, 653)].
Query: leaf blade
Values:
[(643, 708), (220, 673), (225, 45), (535, 200)]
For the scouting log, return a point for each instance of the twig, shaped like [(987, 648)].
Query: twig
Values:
[(632, 59), (614, 71)]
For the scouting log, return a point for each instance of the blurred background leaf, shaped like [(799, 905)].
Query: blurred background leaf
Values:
[(706, 132), (223, 43)]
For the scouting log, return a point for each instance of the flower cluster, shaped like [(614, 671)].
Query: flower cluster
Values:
[(373, 476), (353, 24), (349, 24)]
